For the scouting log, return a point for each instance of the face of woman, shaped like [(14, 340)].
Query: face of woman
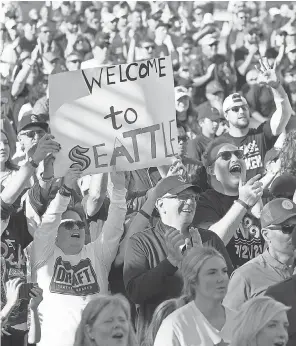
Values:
[(111, 327), (4, 147), (275, 332), (213, 279)]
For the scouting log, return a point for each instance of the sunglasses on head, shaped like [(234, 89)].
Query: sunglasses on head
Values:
[(33, 133), (286, 229), (226, 155), (237, 108), (69, 225)]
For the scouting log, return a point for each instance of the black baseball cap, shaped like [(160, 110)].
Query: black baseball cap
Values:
[(31, 120)]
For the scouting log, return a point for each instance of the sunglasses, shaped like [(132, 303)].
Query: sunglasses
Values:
[(183, 138), (69, 225), (286, 229), (226, 155), (237, 108), (33, 133), (184, 197)]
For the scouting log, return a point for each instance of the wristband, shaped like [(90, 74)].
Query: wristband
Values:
[(142, 212), (64, 192), (245, 205), (33, 163), (46, 180)]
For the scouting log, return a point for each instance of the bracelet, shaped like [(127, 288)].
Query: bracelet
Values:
[(245, 205), (33, 163), (142, 212), (64, 192), (67, 188), (46, 180)]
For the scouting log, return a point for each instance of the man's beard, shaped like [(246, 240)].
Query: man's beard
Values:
[(242, 126)]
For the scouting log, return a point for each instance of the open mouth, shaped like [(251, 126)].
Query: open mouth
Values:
[(118, 335), (75, 235), (235, 169), (279, 343)]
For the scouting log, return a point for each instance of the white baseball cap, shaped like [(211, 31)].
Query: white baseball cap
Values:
[(234, 100)]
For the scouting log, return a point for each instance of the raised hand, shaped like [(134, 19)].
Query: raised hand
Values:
[(118, 180), (45, 146), (267, 74), (251, 191), (71, 177), (36, 297), (12, 291), (174, 242)]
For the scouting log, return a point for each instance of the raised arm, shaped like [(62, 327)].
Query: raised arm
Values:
[(283, 112), (106, 245), (45, 235), (249, 194), (97, 193)]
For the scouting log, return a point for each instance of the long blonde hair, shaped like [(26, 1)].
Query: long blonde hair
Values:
[(252, 317), (161, 312), (191, 266), (91, 312)]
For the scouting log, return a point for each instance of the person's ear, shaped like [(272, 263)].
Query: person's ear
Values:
[(225, 115), (265, 234), (211, 171), (87, 331), (159, 204)]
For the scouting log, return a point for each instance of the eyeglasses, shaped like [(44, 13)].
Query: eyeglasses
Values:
[(226, 155), (286, 229), (69, 225), (33, 133), (183, 139), (184, 197), (237, 108)]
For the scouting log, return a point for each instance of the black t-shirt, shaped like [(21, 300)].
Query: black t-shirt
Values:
[(247, 241), (14, 239), (255, 145)]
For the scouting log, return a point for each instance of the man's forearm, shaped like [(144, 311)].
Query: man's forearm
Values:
[(282, 114), (34, 335), (226, 227), (242, 69), (198, 81)]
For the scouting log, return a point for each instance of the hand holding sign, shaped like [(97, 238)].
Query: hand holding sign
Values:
[(71, 177), (45, 146)]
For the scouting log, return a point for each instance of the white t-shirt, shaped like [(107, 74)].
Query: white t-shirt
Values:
[(69, 282), (187, 326)]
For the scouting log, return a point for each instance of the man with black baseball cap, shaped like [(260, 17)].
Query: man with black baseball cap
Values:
[(285, 292), (152, 256), (277, 263), (30, 130), (256, 142)]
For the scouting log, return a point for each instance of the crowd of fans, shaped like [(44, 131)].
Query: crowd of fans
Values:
[(201, 252)]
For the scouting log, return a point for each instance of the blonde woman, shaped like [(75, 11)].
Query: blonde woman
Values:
[(204, 321), (261, 321), (106, 321), (162, 311)]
